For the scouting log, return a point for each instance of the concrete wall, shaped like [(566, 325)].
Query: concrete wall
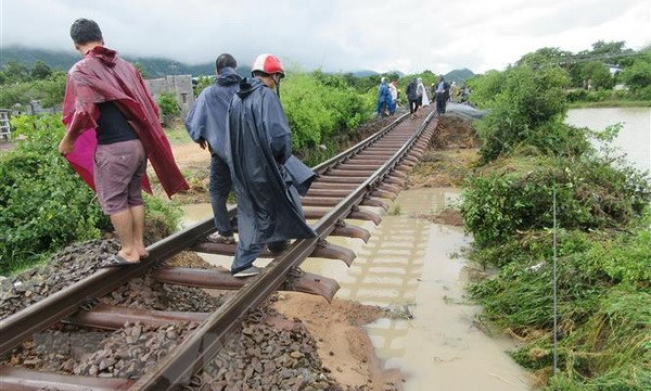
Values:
[(179, 84)]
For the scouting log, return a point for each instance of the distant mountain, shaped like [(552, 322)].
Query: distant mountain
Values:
[(159, 67), (363, 73), (459, 75), (154, 67), (56, 60)]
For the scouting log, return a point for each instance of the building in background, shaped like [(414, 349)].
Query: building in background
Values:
[(181, 85)]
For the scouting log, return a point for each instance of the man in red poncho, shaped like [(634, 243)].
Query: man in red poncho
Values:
[(112, 129)]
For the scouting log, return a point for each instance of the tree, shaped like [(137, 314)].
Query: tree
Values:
[(545, 57), (41, 71), (52, 89), (16, 72), (526, 107), (597, 75), (608, 48), (638, 77), (202, 83)]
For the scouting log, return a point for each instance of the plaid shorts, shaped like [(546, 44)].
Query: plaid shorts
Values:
[(118, 170)]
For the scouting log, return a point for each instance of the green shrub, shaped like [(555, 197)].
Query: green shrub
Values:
[(168, 105), (320, 107), (44, 205), (49, 91), (516, 194), (523, 105)]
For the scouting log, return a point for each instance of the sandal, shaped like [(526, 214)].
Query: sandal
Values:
[(115, 261)]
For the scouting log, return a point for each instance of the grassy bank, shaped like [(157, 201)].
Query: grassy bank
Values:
[(540, 195)]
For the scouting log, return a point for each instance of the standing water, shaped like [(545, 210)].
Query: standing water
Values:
[(634, 138), (411, 265)]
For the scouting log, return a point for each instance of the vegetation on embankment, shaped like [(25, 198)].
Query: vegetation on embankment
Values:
[(44, 205), (529, 163)]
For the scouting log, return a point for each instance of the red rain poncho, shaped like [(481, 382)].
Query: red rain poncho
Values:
[(103, 76)]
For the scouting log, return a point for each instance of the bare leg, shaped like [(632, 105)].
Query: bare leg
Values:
[(124, 225), (138, 215)]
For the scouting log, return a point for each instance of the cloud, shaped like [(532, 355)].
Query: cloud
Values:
[(335, 35)]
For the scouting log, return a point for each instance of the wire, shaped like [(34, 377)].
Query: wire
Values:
[(555, 288)]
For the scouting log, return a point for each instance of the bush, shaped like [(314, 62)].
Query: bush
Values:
[(44, 205), (523, 106), (319, 106), (168, 105), (49, 91), (515, 195)]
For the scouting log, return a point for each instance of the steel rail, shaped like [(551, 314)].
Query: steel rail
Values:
[(192, 354)]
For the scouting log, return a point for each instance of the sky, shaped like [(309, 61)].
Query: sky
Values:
[(335, 35)]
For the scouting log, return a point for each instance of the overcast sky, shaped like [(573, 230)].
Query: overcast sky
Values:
[(335, 35)]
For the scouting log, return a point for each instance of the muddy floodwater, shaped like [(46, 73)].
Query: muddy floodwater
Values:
[(416, 268), (633, 140)]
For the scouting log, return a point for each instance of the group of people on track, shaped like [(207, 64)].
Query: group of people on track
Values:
[(416, 96), (113, 129)]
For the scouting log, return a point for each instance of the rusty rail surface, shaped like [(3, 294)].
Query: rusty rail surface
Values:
[(342, 190)]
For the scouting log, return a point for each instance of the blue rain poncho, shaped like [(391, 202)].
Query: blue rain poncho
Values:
[(259, 143), (207, 120), (384, 97)]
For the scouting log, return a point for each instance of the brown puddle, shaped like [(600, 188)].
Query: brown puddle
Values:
[(412, 266)]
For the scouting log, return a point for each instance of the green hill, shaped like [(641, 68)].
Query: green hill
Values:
[(154, 67), (459, 75), (157, 66)]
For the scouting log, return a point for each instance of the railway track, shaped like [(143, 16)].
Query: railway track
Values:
[(351, 185)]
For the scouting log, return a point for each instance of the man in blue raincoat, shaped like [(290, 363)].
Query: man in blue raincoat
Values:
[(384, 100), (258, 145), (206, 124)]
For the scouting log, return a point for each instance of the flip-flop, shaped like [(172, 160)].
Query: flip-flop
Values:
[(115, 261)]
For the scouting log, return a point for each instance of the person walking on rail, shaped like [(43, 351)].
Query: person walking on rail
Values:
[(412, 96), (442, 89), (112, 128), (258, 145), (384, 100), (206, 124)]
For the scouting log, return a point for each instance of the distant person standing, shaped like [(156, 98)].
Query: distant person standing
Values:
[(441, 95), (394, 97), (107, 96), (384, 98), (258, 146), (422, 93), (412, 96), (454, 92), (206, 124)]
